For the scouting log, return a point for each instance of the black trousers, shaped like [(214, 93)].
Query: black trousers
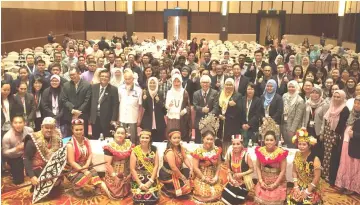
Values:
[(16, 169), (98, 128), (197, 136), (38, 122)]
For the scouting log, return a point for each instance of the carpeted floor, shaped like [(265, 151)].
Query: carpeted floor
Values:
[(66, 197)]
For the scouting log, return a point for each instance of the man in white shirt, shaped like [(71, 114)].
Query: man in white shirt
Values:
[(88, 49), (130, 98)]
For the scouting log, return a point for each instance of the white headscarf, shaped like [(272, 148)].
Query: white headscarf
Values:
[(290, 99), (175, 97), (153, 92), (114, 81)]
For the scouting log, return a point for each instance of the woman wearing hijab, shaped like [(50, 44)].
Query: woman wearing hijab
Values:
[(344, 64), (178, 108), (345, 75), (305, 64), (229, 106), (314, 54), (293, 112), (327, 86), (326, 57), (154, 111), (52, 105), (278, 60), (348, 174), (289, 67), (117, 77), (315, 110), (349, 88), (334, 124), (272, 102)]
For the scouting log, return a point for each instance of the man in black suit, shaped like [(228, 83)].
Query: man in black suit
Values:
[(241, 81), (254, 71), (206, 64), (104, 106), (218, 81), (205, 101), (76, 98), (111, 63)]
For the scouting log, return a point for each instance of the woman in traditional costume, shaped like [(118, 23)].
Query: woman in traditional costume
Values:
[(174, 178), (271, 169), (79, 157), (306, 172), (144, 164), (334, 127), (240, 169), (206, 164), (348, 174), (117, 157)]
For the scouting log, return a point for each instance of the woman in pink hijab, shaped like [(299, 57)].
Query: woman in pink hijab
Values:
[(334, 126)]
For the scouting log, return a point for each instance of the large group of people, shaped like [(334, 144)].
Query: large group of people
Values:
[(95, 91)]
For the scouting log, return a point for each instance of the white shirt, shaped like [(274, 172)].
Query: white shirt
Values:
[(6, 110), (89, 50), (129, 103)]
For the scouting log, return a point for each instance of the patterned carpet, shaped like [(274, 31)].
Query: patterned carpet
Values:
[(23, 197)]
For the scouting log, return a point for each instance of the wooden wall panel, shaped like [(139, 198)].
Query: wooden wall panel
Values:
[(183, 4), (234, 7), (308, 7), (204, 6), (245, 7), (215, 6), (287, 6), (297, 7), (171, 4), (99, 5), (266, 5), (256, 6), (150, 21), (90, 5), (110, 6), (105, 21), (242, 23), (45, 5), (161, 5), (139, 6), (277, 5), (194, 6), (150, 5), (121, 6), (205, 22)]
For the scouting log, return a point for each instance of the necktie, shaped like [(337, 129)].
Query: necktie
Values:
[(205, 97), (101, 93), (237, 84)]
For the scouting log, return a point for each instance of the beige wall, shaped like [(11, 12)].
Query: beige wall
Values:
[(93, 35), (45, 5), (207, 36)]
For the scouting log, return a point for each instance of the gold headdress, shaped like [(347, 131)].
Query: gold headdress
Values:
[(145, 132), (269, 125), (302, 135), (209, 123)]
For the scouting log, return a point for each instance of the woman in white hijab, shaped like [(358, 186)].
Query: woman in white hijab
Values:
[(116, 77), (178, 108), (294, 107)]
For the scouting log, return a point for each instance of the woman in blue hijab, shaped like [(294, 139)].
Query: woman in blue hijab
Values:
[(272, 102)]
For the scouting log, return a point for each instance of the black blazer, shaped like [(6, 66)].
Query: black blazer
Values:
[(276, 108), (29, 104), (232, 118), (254, 113), (251, 74), (46, 104), (283, 86), (191, 88), (79, 100), (109, 104), (214, 81), (244, 81), (159, 109), (212, 98)]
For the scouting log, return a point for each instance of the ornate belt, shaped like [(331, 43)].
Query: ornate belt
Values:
[(167, 170), (271, 170)]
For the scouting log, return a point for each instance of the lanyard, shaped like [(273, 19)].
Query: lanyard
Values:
[(248, 105)]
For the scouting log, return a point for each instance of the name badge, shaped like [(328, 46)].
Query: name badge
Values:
[(312, 123), (38, 114), (285, 117)]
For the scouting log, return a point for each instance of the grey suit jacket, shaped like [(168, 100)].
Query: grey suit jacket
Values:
[(212, 98), (319, 117), (295, 115)]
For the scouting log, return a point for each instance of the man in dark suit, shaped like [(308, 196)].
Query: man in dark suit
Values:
[(76, 98), (218, 81), (206, 64), (111, 63), (241, 81), (104, 106), (254, 71), (205, 101)]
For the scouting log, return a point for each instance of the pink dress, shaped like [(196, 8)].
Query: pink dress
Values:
[(349, 171)]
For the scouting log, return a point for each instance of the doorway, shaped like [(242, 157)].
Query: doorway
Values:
[(270, 23), (177, 27)]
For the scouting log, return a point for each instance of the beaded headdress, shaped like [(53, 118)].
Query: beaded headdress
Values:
[(269, 125), (302, 135), (209, 123), (145, 132), (77, 122), (237, 137)]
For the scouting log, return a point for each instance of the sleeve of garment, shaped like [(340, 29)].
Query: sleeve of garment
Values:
[(298, 117), (279, 110), (216, 108), (107, 152), (29, 153), (45, 104), (115, 116), (254, 120), (6, 150), (344, 115), (196, 103), (87, 99)]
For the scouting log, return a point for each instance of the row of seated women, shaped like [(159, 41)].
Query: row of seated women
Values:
[(135, 170)]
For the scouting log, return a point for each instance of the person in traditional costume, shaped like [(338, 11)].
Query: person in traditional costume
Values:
[(178, 108), (79, 158), (348, 174), (174, 178), (334, 124), (39, 148), (306, 171), (144, 164), (206, 163), (271, 169), (240, 169), (117, 158)]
